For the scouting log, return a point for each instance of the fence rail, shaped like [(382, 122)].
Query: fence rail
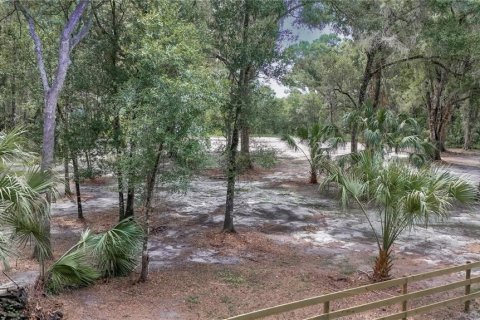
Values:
[(402, 299)]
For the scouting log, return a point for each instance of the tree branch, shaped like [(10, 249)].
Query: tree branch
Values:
[(81, 33), (399, 61), (417, 57), (38, 45), (8, 14), (67, 44), (346, 94), (221, 58), (74, 18)]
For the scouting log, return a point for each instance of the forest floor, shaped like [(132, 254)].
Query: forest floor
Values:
[(293, 242)]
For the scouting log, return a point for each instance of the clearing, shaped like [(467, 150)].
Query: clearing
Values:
[(292, 243)]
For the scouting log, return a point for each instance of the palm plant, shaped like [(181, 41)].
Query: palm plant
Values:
[(22, 202), (108, 254), (403, 197), (321, 140), (383, 132), (75, 268)]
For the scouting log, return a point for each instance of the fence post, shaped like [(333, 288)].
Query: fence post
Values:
[(326, 308), (467, 288), (404, 302)]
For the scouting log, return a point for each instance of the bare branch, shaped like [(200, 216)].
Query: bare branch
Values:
[(221, 58), (74, 19), (8, 14), (38, 45), (66, 44), (346, 94), (82, 33)]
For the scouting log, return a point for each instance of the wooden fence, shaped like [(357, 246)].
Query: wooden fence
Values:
[(402, 299)]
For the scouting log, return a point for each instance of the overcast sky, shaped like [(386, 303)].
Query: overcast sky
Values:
[(301, 33)]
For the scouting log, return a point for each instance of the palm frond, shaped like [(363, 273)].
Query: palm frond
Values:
[(39, 181), (11, 146), (28, 228), (73, 269), (116, 250), (291, 143)]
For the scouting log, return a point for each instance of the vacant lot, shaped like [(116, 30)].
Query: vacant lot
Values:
[(293, 242)]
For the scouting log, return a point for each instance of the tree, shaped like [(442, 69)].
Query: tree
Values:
[(22, 203), (244, 37), (321, 140), (451, 33), (326, 68), (382, 30), (112, 36), (402, 196), (52, 89), (169, 88)]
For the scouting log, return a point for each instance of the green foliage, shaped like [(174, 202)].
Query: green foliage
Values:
[(109, 254), (402, 196), (383, 132), (264, 157), (73, 269), (320, 140), (116, 250), (22, 203), (231, 277), (166, 97)]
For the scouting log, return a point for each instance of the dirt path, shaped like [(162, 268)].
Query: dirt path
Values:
[(293, 243)]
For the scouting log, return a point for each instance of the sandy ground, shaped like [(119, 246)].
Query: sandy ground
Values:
[(293, 243)]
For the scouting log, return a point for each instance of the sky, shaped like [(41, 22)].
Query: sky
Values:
[(301, 33)]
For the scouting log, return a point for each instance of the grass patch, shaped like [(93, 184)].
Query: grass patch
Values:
[(192, 300), (231, 277)]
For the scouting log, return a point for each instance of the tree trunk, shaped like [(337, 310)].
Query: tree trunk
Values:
[(470, 115), (13, 111), (150, 185), (68, 191), (313, 176), (129, 210), (362, 93), (245, 145), (76, 177), (231, 176), (121, 201), (89, 163), (51, 91), (353, 139), (383, 265)]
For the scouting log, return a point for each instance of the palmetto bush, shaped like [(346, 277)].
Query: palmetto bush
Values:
[(320, 140), (23, 209), (401, 196), (23, 205), (112, 253)]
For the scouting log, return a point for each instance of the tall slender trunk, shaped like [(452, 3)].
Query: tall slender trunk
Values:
[(13, 102), (238, 104), (121, 200), (438, 109), (378, 86), (89, 163), (129, 209), (68, 191), (245, 144), (231, 176), (150, 185), (76, 176), (470, 116)]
